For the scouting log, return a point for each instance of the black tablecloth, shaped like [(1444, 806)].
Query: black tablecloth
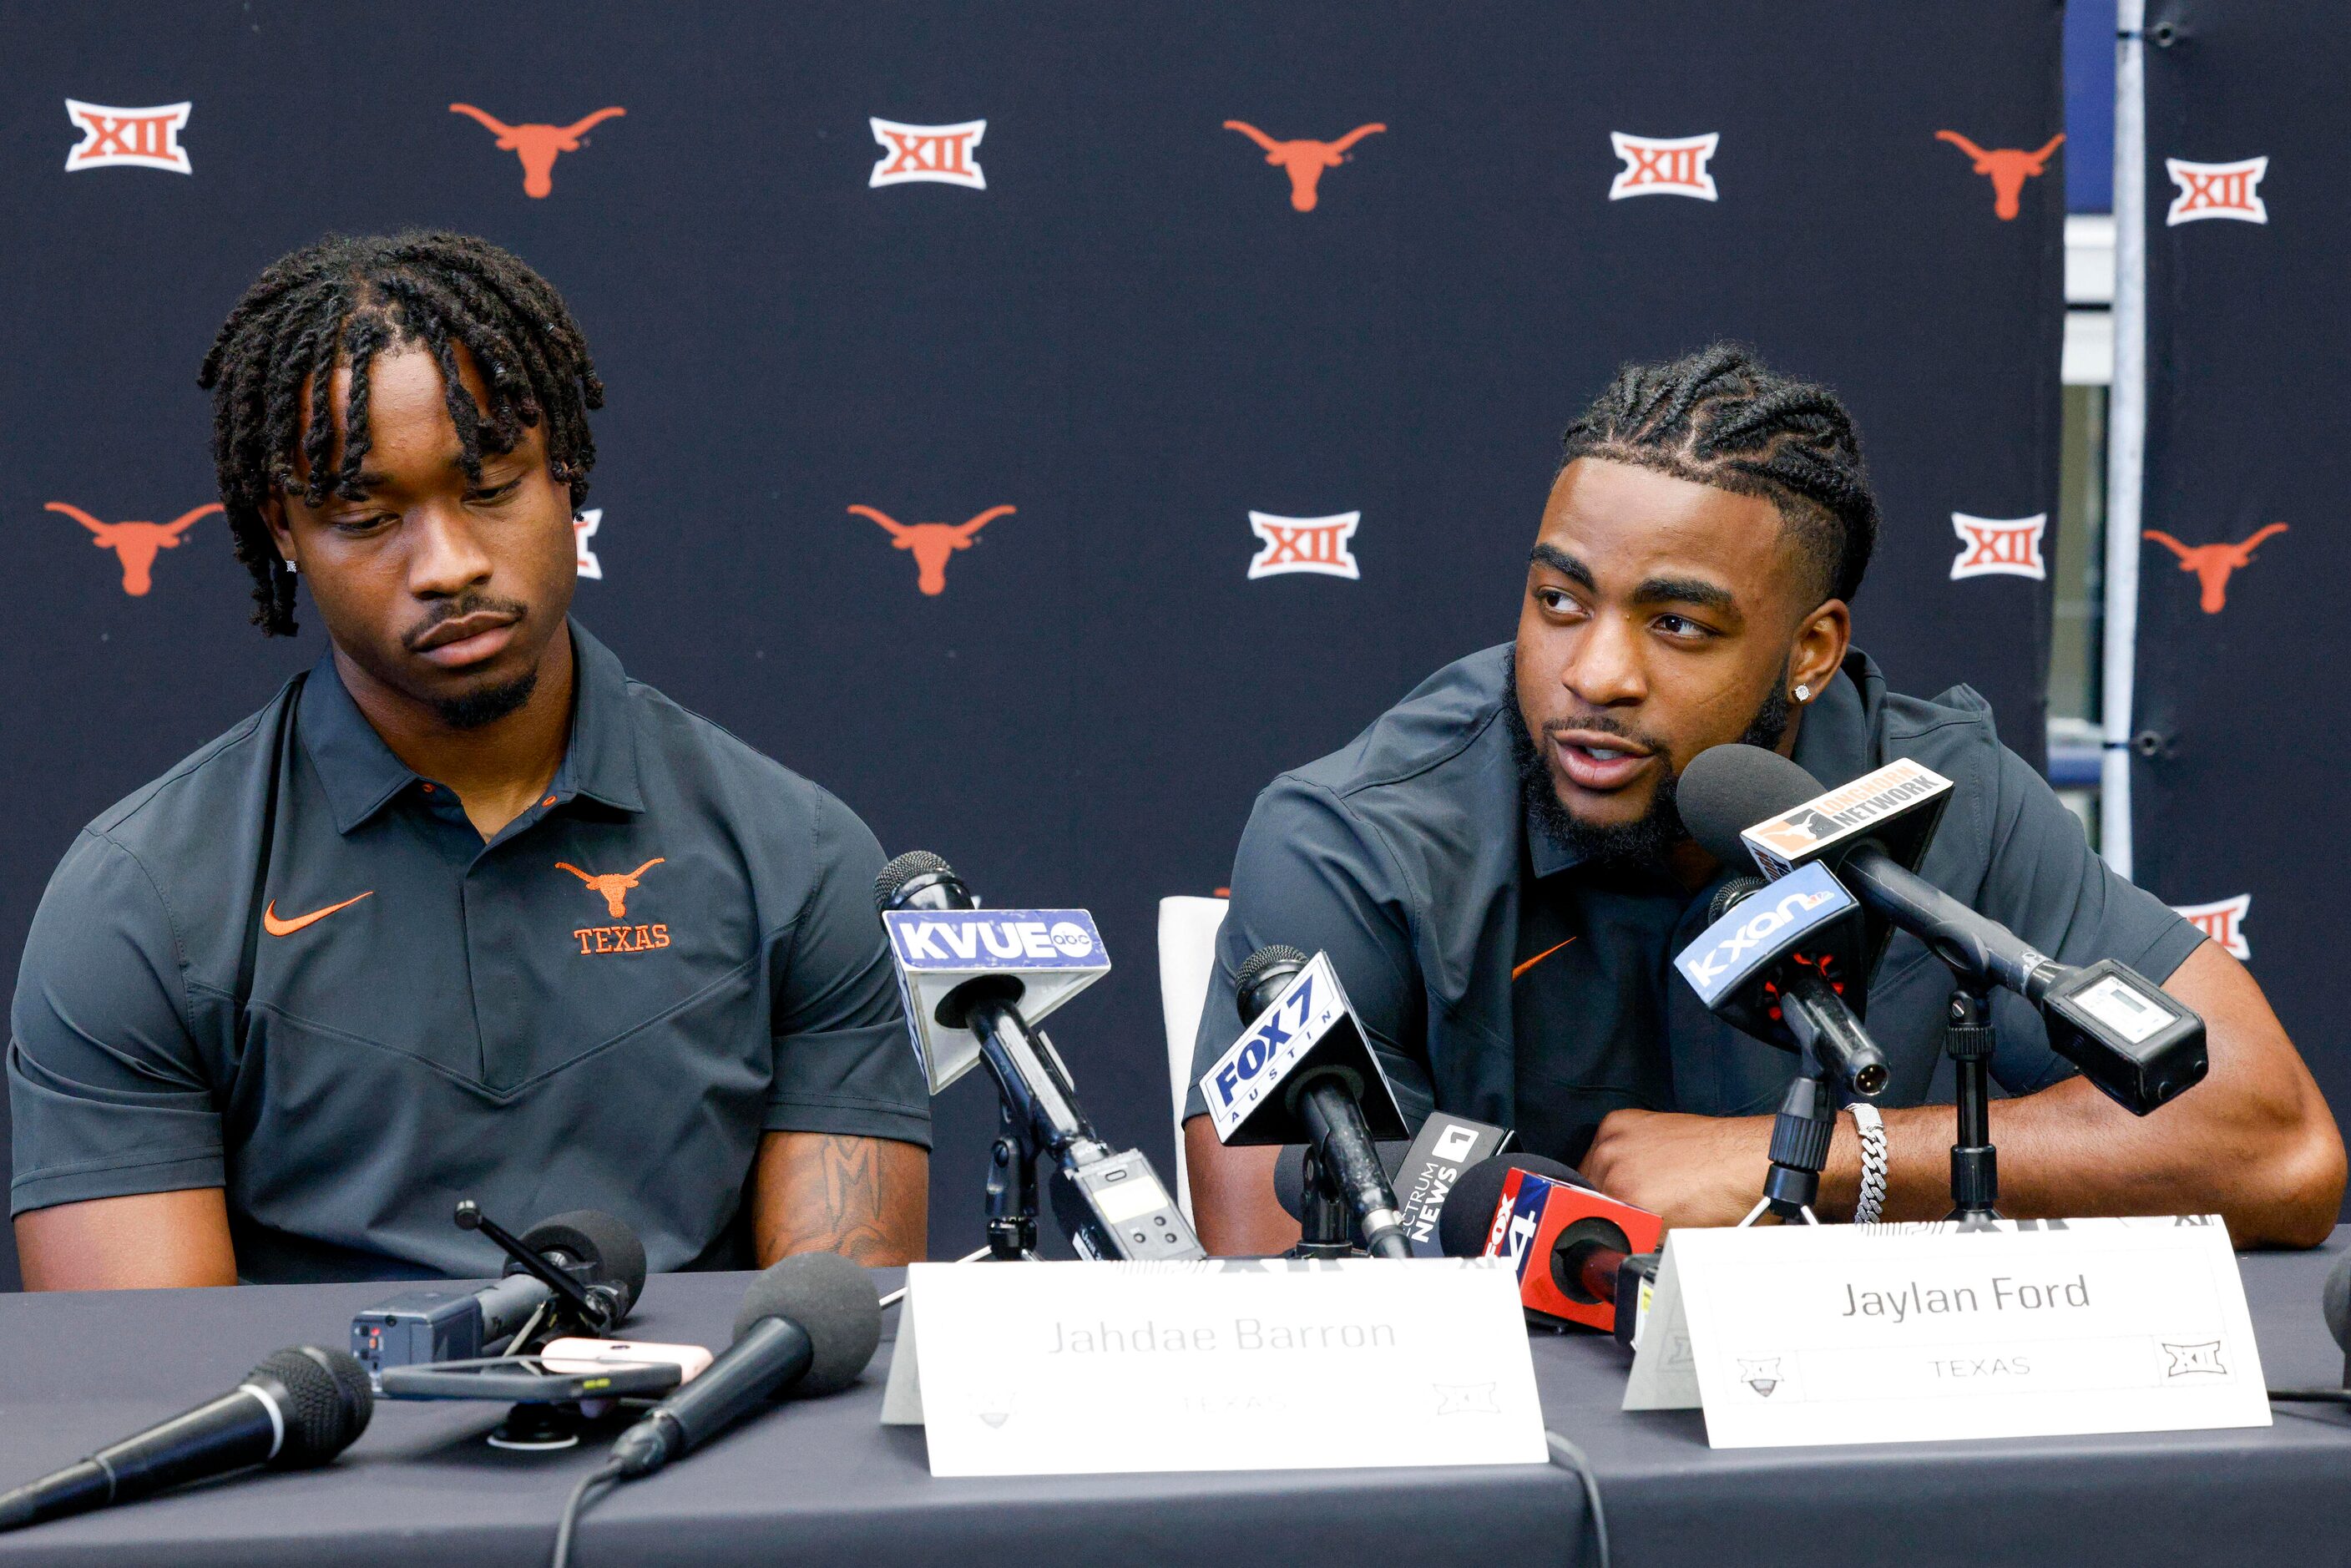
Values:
[(822, 1481)]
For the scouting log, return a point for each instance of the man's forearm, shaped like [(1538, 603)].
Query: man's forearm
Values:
[(865, 1198), (2070, 1151), (2254, 1143)]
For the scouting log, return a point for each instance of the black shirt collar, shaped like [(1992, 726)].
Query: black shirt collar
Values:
[(361, 775), (1836, 743)]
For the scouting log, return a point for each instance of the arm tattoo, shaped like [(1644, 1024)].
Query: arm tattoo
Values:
[(820, 1193)]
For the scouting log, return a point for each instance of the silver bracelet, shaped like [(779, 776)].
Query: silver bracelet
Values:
[(1872, 1128)]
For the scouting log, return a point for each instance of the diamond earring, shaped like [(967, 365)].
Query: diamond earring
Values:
[(1804, 693)]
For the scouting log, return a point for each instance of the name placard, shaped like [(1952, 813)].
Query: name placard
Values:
[(1877, 1333), (1219, 1365)]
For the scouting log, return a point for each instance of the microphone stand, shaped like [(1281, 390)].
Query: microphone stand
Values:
[(1800, 1146), (1011, 1192), (1969, 1040), (1325, 1226)]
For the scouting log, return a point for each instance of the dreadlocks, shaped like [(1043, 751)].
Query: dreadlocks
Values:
[(1718, 417), (342, 301)]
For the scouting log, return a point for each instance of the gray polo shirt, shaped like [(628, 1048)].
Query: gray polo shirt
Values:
[(1404, 853), (291, 967)]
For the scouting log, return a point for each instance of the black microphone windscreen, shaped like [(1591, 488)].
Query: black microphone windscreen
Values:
[(1290, 1172), (330, 1403), (1254, 968), (1727, 789), (833, 1300), (2338, 1301), (1469, 1213), (1732, 893), (903, 870), (607, 1245)]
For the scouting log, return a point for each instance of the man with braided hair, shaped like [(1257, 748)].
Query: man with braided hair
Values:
[(380, 946), (1498, 872)]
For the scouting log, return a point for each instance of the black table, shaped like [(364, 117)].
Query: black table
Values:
[(822, 1481)]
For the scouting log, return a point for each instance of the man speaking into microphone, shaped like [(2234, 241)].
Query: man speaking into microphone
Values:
[(1498, 872), (464, 911)]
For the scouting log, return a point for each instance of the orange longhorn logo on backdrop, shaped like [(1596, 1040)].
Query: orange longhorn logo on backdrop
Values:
[(614, 884), (536, 145), (2007, 167), (134, 544), (931, 543), (2213, 563), (1303, 161)]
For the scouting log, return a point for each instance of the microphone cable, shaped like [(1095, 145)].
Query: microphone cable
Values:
[(571, 1522), (1570, 1458)]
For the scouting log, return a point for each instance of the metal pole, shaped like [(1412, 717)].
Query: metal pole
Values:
[(2125, 437)]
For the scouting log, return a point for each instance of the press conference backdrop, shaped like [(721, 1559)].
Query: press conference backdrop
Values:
[(2243, 679), (1041, 423)]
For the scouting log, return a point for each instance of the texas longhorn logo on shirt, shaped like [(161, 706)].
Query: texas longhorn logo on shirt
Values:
[(1304, 159), (2222, 923), (2007, 167), (2217, 190), (2000, 546), (1304, 544), (536, 145), (135, 545), (128, 138), (931, 543), (2212, 564), (940, 154), (1664, 167), (613, 887)]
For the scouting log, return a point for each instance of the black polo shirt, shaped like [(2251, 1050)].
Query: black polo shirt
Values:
[(1503, 979), (292, 968)]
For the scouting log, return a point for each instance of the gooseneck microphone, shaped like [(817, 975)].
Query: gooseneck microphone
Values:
[(808, 1325), (1328, 1102), (300, 1407)]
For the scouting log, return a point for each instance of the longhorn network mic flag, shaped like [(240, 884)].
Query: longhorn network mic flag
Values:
[(1050, 954)]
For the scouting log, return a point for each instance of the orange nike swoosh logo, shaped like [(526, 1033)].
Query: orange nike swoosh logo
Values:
[(1538, 958), (277, 927)]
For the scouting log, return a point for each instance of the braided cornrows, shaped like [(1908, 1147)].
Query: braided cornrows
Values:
[(1718, 417), (341, 302)]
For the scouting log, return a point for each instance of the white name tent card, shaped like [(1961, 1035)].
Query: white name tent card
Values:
[(1217, 1365), (1881, 1334)]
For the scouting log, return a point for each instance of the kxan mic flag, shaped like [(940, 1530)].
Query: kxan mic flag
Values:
[(1050, 954)]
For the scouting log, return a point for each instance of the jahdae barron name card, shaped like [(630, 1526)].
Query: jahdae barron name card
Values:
[(1094, 1368), (1877, 1333)]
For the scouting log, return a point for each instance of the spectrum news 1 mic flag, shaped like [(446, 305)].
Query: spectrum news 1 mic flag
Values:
[(997, 404), (2245, 658)]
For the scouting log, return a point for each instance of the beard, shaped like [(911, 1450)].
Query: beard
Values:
[(487, 705), (1641, 845)]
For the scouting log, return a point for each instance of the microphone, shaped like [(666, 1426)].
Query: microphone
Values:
[(1776, 966), (1302, 1071), (808, 1325), (300, 1407), (577, 1273), (1109, 1201), (1574, 1248), (2133, 1039), (2337, 1304), (1422, 1173)]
